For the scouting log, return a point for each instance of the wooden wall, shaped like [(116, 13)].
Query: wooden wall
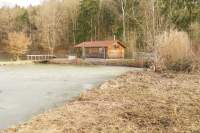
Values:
[(115, 51)]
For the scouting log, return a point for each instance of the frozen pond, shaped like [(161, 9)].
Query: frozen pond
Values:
[(27, 90)]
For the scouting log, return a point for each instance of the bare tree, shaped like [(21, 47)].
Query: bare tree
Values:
[(72, 9), (123, 8), (58, 24)]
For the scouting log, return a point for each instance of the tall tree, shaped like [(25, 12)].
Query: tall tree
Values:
[(87, 20)]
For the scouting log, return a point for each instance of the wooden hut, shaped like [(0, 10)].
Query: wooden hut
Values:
[(102, 49)]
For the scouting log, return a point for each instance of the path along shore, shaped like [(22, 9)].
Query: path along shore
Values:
[(4, 63), (133, 102), (141, 63)]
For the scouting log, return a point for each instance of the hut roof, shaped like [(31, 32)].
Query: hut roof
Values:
[(91, 44)]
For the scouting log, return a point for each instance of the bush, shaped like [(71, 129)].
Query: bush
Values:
[(173, 51)]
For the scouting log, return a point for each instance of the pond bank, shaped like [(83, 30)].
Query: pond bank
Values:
[(133, 102), (109, 62), (28, 90), (4, 63)]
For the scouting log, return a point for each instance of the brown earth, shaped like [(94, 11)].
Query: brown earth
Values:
[(140, 63), (134, 102)]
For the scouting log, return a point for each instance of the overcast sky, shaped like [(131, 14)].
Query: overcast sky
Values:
[(24, 3)]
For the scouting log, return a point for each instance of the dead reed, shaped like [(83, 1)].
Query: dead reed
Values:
[(174, 51)]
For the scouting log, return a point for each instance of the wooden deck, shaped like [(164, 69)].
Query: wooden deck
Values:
[(40, 57)]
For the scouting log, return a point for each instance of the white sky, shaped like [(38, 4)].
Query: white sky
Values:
[(23, 3)]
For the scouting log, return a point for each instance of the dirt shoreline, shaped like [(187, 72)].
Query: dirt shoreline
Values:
[(133, 102), (5, 63), (139, 63)]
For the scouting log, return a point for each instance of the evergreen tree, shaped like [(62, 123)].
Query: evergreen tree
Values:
[(87, 20)]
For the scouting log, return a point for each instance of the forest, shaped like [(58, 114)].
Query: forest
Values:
[(56, 26)]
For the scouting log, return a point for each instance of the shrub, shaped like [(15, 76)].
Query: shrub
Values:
[(173, 51)]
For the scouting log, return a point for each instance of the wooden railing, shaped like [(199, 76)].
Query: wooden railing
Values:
[(40, 57), (94, 55)]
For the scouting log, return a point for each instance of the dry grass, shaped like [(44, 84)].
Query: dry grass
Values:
[(134, 102), (195, 36), (173, 47)]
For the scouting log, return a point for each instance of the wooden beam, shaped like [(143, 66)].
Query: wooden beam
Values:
[(104, 50), (83, 52)]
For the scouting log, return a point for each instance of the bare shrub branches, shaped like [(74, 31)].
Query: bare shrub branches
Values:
[(172, 47), (17, 44)]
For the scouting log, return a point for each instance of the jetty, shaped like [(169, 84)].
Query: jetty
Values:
[(40, 57)]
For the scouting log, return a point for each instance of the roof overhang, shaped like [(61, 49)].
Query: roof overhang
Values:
[(98, 44)]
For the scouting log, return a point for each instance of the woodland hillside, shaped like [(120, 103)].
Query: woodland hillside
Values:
[(57, 25)]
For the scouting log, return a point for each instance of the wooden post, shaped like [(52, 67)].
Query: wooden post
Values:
[(104, 52), (83, 52)]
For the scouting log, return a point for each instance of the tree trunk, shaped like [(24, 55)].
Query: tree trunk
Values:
[(123, 6)]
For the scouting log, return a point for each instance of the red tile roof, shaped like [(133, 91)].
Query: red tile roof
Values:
[(98, 44)]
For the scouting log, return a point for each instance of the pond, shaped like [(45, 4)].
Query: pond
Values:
[(27, 90)]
